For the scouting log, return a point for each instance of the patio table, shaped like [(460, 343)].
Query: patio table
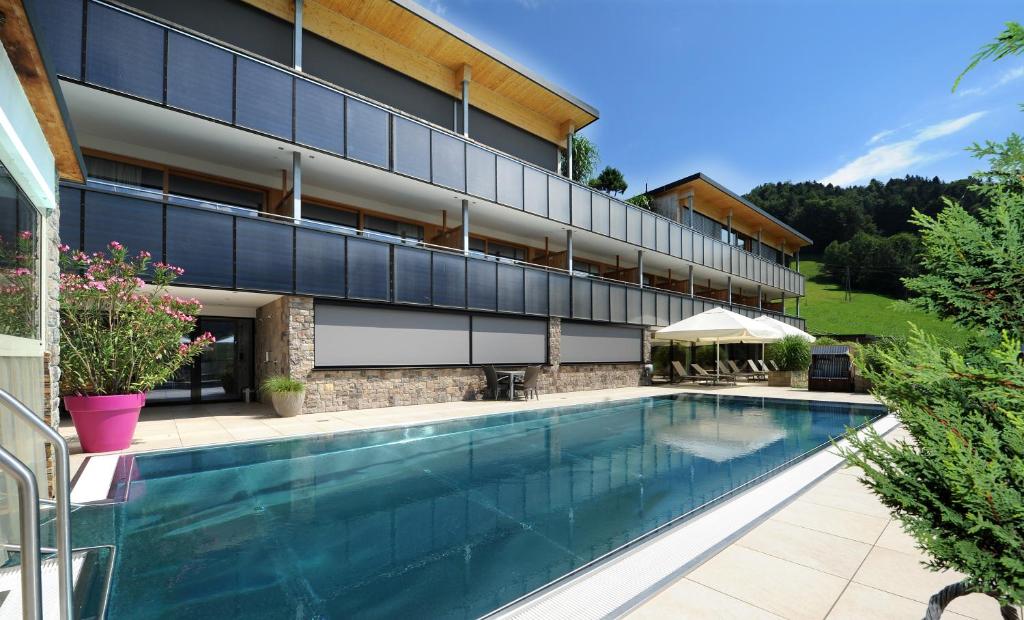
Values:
[(512, 375)]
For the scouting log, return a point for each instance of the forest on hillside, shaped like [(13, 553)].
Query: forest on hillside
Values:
[(862, 232)]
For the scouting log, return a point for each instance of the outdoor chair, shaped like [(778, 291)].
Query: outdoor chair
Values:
[(529, 383), (774, 365), (495, 386), (702, 375), (762, 375), (680, 372), (763, 366), (739, 372)]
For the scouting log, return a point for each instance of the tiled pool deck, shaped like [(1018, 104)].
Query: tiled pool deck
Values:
[(832, 553)]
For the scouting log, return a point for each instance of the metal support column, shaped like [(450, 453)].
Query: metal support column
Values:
[(465, 108), (568, 153), (797, 307), (28, 521), (798, 259), (568, 251), (465, 227), (689, 279), (297, 37), (689, 208), (728, 282), (640, 268), (783, 302), (297, 185), (759, 297)]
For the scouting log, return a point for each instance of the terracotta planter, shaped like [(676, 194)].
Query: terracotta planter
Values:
[(105, 423), (288, 404)]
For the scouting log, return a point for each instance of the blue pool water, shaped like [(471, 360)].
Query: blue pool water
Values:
[(450, 520)]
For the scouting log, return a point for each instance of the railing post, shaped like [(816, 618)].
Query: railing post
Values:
[(62, 484), (28, 517), (465, 227)]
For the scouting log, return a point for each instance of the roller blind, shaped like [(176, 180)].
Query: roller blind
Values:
[(499, 340), (584, 342)]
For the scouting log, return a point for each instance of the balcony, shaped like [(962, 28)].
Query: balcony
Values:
[(238, 249), (118, 51)]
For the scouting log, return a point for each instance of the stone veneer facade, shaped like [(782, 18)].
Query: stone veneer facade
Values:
[(284, 345)]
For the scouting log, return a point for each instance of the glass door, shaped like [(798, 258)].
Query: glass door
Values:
[(220, 373)]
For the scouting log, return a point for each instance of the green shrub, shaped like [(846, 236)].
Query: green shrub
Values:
[(824, 341), (281, 384), (958, 488), (790, 353)]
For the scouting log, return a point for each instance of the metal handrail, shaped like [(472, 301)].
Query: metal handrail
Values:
[(28, 507), (62, 489)]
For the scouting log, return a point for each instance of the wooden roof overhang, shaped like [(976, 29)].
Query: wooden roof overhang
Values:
[(407, 38)]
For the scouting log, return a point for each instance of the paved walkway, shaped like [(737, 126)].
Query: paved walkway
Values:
[(165, 427), (832, 553)]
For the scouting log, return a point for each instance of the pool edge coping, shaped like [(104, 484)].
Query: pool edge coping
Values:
[(572, 595)]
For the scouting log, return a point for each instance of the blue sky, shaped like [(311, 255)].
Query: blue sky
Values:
[(751, 91)]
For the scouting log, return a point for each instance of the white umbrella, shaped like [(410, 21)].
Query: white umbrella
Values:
[(716, 326), (785, 328)]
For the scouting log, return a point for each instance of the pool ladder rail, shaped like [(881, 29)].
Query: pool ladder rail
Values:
[(28, 515)]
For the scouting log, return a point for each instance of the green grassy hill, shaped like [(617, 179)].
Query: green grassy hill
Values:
[(827, 312)]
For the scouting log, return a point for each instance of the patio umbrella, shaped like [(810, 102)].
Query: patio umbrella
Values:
[(785, 328), (718, 326)]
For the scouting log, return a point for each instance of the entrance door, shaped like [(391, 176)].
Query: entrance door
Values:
[(220, 373)]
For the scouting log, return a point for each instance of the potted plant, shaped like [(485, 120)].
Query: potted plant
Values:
[(792, 354), (286, 394), (119, 338)]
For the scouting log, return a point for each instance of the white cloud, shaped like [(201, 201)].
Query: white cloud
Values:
[(1007, 77), (890, 159), (435, 6), (881, 135)]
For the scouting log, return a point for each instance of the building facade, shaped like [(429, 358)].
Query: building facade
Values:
[(368, 199)]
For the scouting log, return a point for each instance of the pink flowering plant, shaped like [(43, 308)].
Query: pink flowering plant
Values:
[(19, 284), (118, 334)]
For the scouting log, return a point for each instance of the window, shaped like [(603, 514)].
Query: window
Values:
[(212, 191), (393, 227), (505, 251), (329, 215), (124, 174), (582, 266), (20, 282)]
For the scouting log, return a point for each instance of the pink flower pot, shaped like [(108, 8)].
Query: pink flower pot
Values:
[(105, 423)]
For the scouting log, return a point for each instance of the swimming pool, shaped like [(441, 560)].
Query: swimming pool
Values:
[(450, 520)]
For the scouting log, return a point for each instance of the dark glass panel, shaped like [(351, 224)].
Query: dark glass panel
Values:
[(536, 292), (448, 160), (412, 149), (449, 280), (369, 264), (71, 217), (412, 275), (558, 199), (559, 291), (136, 224), (581, 298), (366, 128), (199, 77), (599, 293), (62, 35), (480, 173), (263, 255), (125, 53), (263, 98), (510, 289), (483, 285), (535, 193), (510, 183), (319, 263), (319, 117), (200, 243)]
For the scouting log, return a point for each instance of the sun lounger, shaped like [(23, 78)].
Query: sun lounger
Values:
[(739, 372), (762, 375), (712, 377)]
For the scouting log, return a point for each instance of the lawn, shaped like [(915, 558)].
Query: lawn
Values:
[(827, 312)]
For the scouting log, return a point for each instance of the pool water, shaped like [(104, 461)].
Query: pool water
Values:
[(450, 520)]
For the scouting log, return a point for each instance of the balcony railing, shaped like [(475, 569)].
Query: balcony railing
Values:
[(230, 248), (114, 49)]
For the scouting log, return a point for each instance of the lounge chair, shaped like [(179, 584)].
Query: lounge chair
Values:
[(761, 374), (774, 365), (681, 374), (739, 372), (762, 365), (529, 383), (495, 386), (708, 377)]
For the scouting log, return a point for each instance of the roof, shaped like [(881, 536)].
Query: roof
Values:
[(700, 177), (21, 35), (831, 349), (408, 38)]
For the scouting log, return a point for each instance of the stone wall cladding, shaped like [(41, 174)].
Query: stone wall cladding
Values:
[(285, 330)]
